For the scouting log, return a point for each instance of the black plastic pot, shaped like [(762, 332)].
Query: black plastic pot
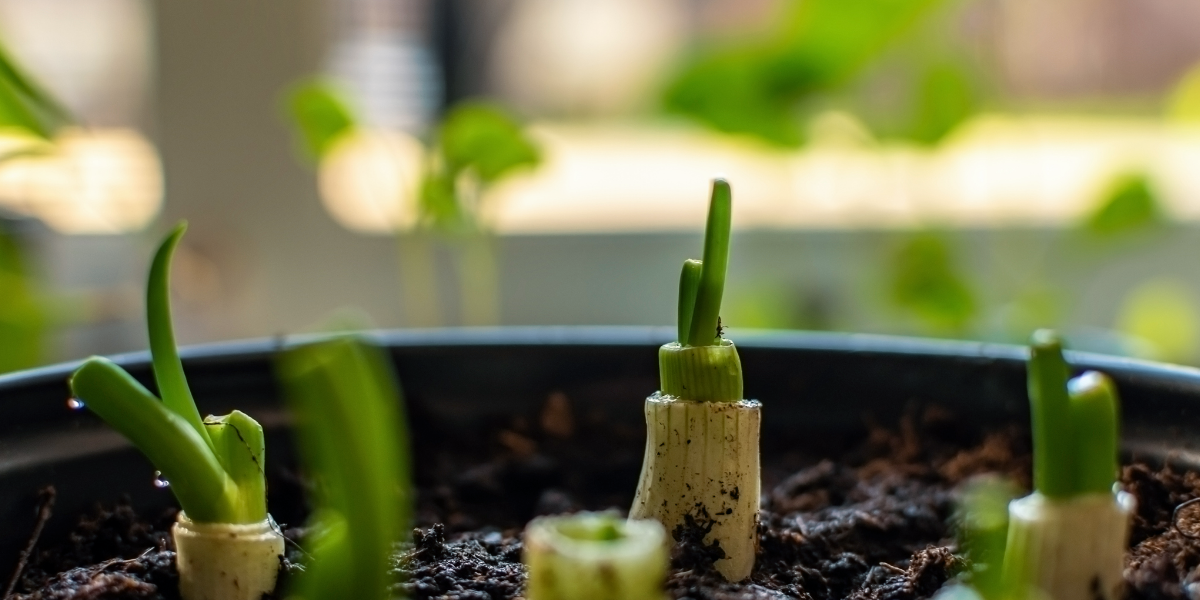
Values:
[(815, 387)]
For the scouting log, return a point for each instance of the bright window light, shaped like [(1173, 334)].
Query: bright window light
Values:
[(369, 180), (89, 182)]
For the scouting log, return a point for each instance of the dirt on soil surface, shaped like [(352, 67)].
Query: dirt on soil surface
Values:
[(871, 522)]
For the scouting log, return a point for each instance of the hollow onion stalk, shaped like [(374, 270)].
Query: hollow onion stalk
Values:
[(701, 460), (594, 556), (1067, 540), (227, 547)]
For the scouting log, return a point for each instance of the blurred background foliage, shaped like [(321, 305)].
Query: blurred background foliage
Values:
[(955, 168)]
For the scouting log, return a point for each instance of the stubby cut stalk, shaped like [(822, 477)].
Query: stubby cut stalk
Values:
[(589, 556), (1068, 549), (701, 461), (1066, 541), (226, 561)]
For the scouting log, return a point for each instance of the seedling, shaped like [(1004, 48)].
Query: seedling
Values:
[(228, 548), (701, 462), (354, 446), (1067, 540), (590, 556)]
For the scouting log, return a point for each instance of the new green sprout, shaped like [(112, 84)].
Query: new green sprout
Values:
[(701, 458), (227, 546), (1067, 540), (591, 556)]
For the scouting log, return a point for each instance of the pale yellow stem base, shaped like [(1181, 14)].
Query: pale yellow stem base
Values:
[(702, 460), (225, 561), (1068, 549)]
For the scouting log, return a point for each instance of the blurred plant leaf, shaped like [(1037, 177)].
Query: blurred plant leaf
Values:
[(924, 280), (1129, 204), (319, 114), (354, 444), (478, 144), (483, 137), (1183, 104), (756, 87), (439, 205), (945, 97), (24, 104), (982, 519), (23, 322), (1162, 313)]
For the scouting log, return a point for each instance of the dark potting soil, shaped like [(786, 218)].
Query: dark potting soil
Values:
[(870, 521)]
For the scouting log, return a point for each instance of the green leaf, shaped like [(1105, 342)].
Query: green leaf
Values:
[(1050, 417), (439, 206), (319, 115), (946, 96), (926, 281), (239, 445), (354, 443), (1129, 204), (482, 137), (197, 479), (982, 532), (757, 86), (689, 284), (168, 369), (23, 318), (1094, 407), (25, 104), (711, 286)]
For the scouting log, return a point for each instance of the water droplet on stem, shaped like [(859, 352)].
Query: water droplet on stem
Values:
[(160, 481)]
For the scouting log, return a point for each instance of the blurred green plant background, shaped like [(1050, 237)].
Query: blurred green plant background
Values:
[(954, 168)]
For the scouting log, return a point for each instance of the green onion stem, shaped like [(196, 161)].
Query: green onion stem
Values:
[(689, 284), (353, 441), (1094, 416), (168, 370), (1050, 416), (239, 446), (983, 533), (177, 451), (215, 467), (703, 331)]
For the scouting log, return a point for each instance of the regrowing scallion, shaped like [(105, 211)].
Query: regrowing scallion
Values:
[(595, 556), (227, 546), (702, 461), (1067, 540)]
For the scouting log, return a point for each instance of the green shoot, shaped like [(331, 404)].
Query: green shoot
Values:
[(702, 366), (353, 442), (982, 533), (1067, 540), (168, 370), (689, 285), (706, 314), (1050, 416), (319, 115), (1094, 415), (1074, 424), (167, 439), (215, 466)]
